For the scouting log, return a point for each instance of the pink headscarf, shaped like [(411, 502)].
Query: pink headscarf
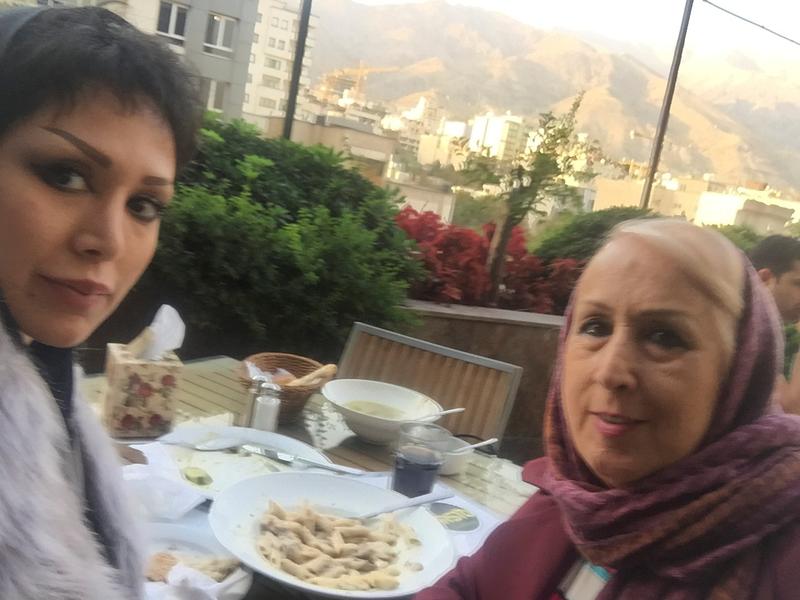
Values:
[(692, 529)]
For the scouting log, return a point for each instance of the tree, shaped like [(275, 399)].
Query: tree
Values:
[(524, 183), (475, 212)]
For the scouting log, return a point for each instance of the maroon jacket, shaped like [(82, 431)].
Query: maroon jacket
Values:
[(526, 558)]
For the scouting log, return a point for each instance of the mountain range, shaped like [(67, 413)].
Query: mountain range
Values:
[(733, 117)]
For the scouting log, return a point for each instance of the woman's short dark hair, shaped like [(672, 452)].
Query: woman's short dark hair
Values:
[(62, 52)]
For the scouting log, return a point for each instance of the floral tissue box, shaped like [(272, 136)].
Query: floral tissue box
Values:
[(140, 398)]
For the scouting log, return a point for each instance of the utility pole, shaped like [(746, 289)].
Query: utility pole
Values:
[(297, 68), (663, 118)]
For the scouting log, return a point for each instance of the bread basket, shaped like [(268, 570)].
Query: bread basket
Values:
[(293, 398)]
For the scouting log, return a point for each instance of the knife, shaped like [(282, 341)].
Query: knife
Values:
[(288, 459)]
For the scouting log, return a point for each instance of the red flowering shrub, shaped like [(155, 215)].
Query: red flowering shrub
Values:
[(455, 261)]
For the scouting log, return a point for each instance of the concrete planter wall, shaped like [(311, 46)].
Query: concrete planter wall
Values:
[(529, 340)]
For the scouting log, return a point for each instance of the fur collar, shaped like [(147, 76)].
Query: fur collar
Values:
[(47, 549)]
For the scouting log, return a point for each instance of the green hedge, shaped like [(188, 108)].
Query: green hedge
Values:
[(273, 246)]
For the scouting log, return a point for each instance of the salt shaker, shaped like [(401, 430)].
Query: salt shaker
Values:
[(266, 406)]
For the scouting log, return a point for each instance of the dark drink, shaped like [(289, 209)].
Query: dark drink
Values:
[(415, 470)]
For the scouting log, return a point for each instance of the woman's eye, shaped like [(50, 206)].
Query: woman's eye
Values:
[(666, 338), (63, 177), (146, 209), (595, 328)]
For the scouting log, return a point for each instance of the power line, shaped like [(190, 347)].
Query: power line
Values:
[(746, 20)]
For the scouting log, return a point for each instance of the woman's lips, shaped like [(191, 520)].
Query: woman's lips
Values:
[(614, 425), (78, 295)]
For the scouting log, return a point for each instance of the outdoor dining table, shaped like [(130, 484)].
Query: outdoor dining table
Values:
[(211, 387)]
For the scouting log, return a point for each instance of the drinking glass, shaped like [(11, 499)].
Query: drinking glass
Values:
[(419, 454)]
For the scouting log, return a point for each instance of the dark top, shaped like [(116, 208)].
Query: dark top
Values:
[(54, 365)]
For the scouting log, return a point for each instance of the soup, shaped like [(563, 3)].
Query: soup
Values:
[(374, 409)]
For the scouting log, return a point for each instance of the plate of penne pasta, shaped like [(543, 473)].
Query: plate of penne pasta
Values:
[(302, 530)]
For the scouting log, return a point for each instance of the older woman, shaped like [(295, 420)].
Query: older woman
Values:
[(95, 118), (669, 473)]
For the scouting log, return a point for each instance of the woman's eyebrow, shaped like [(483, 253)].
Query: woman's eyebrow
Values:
[(93, 153)]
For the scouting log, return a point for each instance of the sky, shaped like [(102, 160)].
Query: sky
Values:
[(655, 23)]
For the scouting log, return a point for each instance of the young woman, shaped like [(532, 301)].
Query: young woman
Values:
[(96, 118)]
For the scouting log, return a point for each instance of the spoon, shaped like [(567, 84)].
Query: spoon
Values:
[(440, 413), (473, 446), (407, 503)]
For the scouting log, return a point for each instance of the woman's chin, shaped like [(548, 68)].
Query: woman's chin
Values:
[(618, 470), (61, 333)]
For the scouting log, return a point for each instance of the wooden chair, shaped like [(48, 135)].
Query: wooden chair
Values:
[(485, 387)]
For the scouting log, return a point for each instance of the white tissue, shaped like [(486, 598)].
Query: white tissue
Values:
[(168, 331), (157, 486)]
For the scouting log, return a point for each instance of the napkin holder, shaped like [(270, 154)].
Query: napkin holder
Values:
[(140, 397)]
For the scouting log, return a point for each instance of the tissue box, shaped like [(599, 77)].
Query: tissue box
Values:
[(140, 398)]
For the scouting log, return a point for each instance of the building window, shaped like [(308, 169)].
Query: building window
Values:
[(284, 24), (273, 63), (172, 22), (281, 44), (255, 38), (252, 57), (249, 78), (271, 82), (271, 43), (274, 21), (259, 16), (283, 104), (217, 90), (267, 103), (219, 35), (247, 98)]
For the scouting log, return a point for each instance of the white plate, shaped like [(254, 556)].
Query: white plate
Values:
[(236, 513), (169, 537), (226, 468), (192, 536)]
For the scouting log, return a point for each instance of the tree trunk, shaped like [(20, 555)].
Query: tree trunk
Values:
[(497, 256)]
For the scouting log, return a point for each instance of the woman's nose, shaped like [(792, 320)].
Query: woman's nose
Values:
[(99, 233), (616, 363)]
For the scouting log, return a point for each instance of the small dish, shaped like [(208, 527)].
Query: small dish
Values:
[(455, 462)]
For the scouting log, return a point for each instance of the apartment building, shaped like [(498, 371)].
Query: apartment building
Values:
[(504, 136), (215, 37), (272, 59)]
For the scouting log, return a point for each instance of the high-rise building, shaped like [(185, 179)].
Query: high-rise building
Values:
[(215, 37), (270, 69), (503, 136)]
